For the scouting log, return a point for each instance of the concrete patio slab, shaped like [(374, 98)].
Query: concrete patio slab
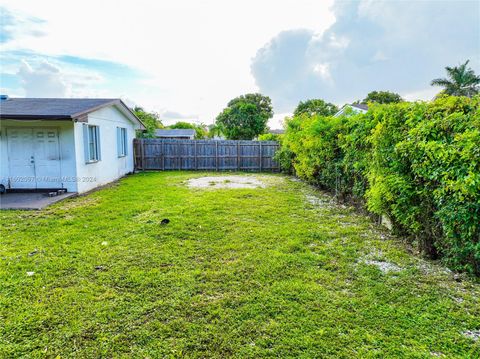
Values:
[(30, 200)]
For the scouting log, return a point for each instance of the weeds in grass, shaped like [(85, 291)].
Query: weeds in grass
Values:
[(277, 271)]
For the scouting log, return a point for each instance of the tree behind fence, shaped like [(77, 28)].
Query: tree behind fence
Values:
[(163, 154)]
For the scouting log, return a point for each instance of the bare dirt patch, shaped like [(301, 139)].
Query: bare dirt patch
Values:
[(233, 181)]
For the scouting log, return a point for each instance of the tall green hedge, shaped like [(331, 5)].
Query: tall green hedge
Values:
[(418, 163)]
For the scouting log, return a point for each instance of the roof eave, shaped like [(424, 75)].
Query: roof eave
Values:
[(42, 117), (129, 113), (92, 109), (81, 116), (120, 105)]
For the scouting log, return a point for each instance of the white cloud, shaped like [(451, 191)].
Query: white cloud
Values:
[(380, 56), (15, 25), (173, 115), (323, 70), (196, 54), (425, 95), (373, 45), (278, 120), (45, 80)]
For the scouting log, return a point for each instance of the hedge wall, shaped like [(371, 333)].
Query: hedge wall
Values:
[(418, 163)]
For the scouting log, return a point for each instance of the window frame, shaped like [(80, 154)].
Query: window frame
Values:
[(122, 142), (93, 144)]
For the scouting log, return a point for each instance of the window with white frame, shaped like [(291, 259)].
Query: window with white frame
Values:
[(121, 141), (91, 139)]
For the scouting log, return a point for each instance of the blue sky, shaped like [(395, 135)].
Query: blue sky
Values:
[(186, 59)]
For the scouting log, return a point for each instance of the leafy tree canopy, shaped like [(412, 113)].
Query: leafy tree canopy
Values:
[(315, 107), (270, 137), (215, 130), (245, 117), (151, 120), (183, 125), (382, 97), (460, 81), (200, 130)]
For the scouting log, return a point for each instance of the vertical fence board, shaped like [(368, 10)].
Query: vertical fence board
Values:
[(166, 154)]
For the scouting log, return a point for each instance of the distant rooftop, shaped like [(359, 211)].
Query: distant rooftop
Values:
[(175, 133), (361, 106), (355, 107)]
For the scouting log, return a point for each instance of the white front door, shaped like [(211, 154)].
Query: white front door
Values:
[(34, 158), (47, 157), (20, 158)]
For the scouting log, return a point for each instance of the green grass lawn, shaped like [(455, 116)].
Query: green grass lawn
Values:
[(271, 272)]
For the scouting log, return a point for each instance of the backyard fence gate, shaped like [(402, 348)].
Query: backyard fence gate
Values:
[(163, 154)]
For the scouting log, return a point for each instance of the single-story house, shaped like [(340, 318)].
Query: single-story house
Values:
[(175, 134), (59, 143), (354, 107)]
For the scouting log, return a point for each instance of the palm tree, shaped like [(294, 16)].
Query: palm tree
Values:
[(461, 81)]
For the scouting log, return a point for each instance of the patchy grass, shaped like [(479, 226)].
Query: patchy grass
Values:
[(278, 271)]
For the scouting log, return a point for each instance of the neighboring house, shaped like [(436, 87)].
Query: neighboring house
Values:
[(176, 134), (354, 107), (277, 132), (75, 144)]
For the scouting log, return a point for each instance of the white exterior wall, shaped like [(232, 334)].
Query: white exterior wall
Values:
[(66, 146), (110, 167)]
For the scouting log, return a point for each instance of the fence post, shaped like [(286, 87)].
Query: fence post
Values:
[(135, 153), (142, 153), (238, 156), (162, 148), (216, 155), (260, 156), (195, 155), (144, 157)]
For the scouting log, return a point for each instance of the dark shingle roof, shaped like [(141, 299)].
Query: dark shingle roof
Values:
[(60, 108), (50, 108), (175, 133), (361, 106)]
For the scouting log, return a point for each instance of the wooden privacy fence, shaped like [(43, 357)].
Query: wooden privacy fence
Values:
[(163, 154)]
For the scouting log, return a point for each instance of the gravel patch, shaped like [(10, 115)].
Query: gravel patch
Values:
[(227, 182), (385, 267), (314, 200), (319, 201), (472, 334), (377, 258), (433, 269)]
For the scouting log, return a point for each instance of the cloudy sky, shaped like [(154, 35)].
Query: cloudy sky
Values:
[(187, 59)]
